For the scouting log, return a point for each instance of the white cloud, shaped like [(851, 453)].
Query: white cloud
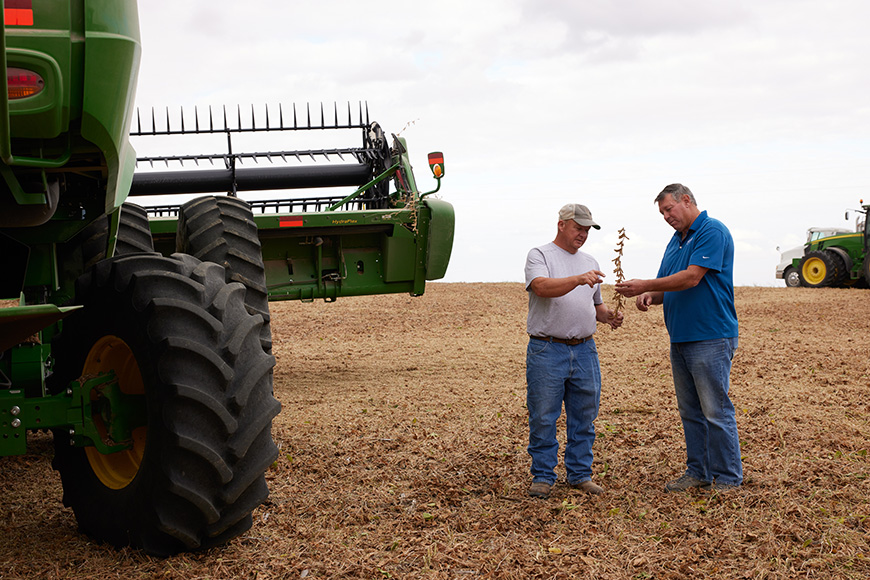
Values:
[(760, 107)]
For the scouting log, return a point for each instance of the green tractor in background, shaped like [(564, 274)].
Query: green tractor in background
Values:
[(838, 260), (139, 334)]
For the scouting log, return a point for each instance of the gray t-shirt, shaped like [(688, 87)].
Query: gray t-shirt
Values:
[(568, 316)]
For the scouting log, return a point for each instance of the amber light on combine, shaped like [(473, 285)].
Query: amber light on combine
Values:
[(23, 83)]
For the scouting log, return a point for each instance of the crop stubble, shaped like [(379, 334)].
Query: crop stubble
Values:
[(402, 453)]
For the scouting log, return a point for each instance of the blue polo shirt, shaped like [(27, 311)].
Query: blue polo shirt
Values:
[(705, 312)]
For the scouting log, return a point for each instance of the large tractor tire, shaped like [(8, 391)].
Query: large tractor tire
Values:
[(179, 336), (792, 278), (838, 259), (817, 270), (221, 229), (866, 269)]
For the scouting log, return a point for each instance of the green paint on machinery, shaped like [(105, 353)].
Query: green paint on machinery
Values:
[(838, 260), (139, 333)]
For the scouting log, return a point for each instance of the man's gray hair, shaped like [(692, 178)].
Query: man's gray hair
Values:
[(677, 191)]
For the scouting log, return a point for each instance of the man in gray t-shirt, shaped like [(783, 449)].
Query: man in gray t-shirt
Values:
[(564, 286)]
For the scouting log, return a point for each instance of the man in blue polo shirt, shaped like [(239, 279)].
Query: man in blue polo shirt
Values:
[(695, 285)]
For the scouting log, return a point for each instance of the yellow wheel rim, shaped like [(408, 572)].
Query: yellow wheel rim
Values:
[(110, 353), (814, 271)]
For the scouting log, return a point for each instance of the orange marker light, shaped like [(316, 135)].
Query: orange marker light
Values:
[(23, 83), (436, 164)]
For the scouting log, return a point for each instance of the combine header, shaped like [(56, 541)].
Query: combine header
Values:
[(382, 237), (139, 333)]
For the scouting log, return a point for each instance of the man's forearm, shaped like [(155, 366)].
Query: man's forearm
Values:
[(682, 280), (553, 287)]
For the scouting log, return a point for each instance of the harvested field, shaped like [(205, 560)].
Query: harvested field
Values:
[(402, 454)]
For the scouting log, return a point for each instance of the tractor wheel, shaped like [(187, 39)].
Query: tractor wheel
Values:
[(792, 278), (221, 229), (817, 269), (841, 273), (866, 269), (178, 335)]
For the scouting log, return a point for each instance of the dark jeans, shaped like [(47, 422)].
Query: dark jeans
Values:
[(702, 372), (557, 373)]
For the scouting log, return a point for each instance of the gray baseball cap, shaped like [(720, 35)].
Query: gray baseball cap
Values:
[(578, 213)]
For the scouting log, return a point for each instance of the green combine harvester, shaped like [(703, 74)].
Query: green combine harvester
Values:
[(139, 334)]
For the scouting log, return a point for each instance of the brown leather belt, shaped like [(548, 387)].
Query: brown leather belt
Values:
[(568, 341)]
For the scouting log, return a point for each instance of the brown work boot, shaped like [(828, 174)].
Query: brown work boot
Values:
[(540, 489), (685, 482), (588, 487)]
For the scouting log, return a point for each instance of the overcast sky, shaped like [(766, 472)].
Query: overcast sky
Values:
[(761, 107)]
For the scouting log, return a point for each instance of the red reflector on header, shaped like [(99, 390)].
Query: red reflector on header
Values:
[(18, 17), (290, 222)]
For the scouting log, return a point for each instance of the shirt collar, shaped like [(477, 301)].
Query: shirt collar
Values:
[(702, 217)]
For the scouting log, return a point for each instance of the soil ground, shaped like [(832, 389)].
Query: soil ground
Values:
[(402, 454)]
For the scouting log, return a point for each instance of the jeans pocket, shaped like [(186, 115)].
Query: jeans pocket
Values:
[(730, 347), (537, 347)]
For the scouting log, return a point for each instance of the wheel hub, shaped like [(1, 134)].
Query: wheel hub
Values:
[(115, 470), (814, 271)]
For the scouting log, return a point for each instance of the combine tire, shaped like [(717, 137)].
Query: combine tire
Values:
[(817, 270), (134, 235), (221, 229), (173, 330), (792, 278), (94, 238)]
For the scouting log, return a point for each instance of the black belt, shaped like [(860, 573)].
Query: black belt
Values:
[(568, 341)]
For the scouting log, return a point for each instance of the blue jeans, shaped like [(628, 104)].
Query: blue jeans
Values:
[(702, 373), (555, 373)]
